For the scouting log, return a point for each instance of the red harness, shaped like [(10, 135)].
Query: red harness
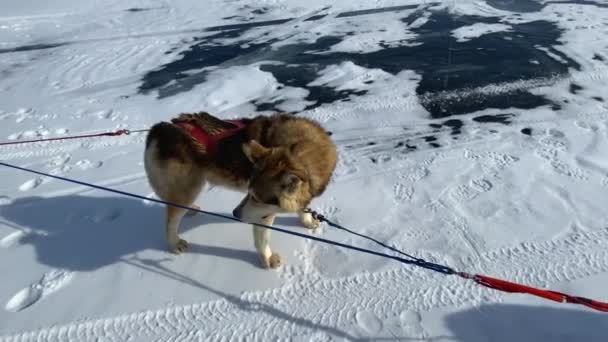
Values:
[(210, 140)]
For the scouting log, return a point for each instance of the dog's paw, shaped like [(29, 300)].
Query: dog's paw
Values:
[(309, 221), (275, 261), (179, 247), (192, 212)]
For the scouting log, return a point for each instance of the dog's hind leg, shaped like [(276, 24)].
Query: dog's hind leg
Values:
[(261, 238), (176, 181), (173, 218), (182, 190), (184, 195)]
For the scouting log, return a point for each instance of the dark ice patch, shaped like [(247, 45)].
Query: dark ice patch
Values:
[(575, 88), (446, 66), (504, 119), (516, 5)]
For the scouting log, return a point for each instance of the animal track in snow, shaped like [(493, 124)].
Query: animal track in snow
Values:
[(60, 160), (411, 323), (86, 164), (586, 126), (295, 273), (41, 132), (105, 114), (22, 114), (368, 321), (14, 136), (491, 162), (481, 185), (435, 206), (554, 144), (345, 167), (50, 282), (566, 170), (547, 153), (403, 192), (463, 193), (61, 164), (31, 184), (572, 256), (415, 174)]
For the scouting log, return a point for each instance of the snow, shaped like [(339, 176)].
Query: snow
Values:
[(489, 162), (476, 30)]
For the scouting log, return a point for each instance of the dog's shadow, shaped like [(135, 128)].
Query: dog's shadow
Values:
[(84, 233)]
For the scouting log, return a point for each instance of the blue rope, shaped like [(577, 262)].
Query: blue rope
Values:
[(416, 261), (411, 261)]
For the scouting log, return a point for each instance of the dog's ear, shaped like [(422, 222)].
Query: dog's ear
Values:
[(254, 151), (291, 181)]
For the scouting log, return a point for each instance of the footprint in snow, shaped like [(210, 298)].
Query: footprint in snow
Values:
[(368, 321), (86, 164), (415, 174), (15, 136), (411, 322), (31, 184), (60, 160), (403, 192), (50, 282)]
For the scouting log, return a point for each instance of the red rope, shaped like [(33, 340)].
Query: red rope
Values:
[(107, 134), (506, 286), (493, 283)]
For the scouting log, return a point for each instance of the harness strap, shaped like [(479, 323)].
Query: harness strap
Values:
[(209, 140)]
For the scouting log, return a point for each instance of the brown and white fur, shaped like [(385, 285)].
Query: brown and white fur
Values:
[(281, 161)]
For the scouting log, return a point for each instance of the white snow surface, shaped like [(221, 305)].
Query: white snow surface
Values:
[(465, 33), (79, 264)]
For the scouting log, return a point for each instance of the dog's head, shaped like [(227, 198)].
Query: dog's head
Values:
[(278, 183)]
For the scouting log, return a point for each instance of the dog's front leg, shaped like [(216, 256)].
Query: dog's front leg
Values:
[(308, 220), (261, 238)]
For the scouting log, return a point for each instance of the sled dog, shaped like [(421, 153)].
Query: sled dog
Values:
[(281, 162)]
